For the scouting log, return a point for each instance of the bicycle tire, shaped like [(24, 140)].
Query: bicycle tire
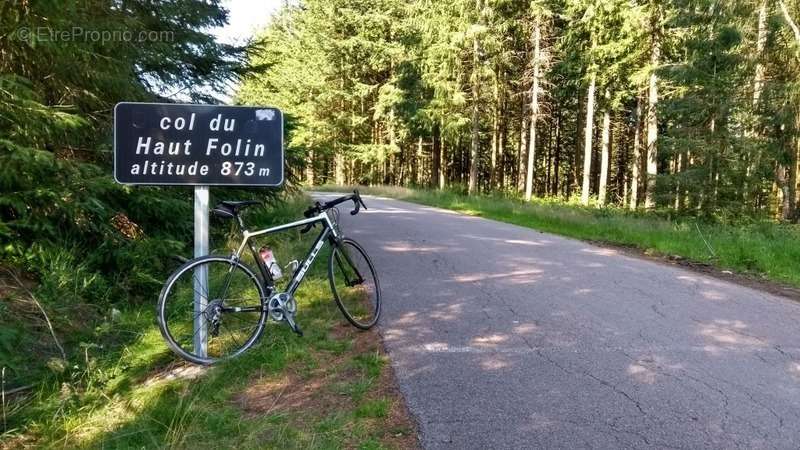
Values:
[(345, 297), (169, 328)]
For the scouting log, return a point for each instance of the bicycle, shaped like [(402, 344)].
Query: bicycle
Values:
[(204, 328)]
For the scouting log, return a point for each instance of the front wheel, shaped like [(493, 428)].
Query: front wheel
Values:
[(354, 284), (204, 324)]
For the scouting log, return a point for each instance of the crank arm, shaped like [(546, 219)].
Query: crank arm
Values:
[(290, 320)]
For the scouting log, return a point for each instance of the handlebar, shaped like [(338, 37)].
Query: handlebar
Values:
[(319, 207), (358, 202)]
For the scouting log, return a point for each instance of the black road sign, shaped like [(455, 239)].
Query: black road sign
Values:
[(162, 143)]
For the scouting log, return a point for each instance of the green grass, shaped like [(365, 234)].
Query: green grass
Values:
[(373, 408), (762, 248), (117, 396)]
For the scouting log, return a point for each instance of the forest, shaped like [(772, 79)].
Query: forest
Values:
[(667, 108), (683, 105)]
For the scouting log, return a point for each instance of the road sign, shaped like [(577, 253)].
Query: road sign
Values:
[(199, 145), (175, 144)]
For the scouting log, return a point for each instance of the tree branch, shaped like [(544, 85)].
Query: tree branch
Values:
[(789, 20)]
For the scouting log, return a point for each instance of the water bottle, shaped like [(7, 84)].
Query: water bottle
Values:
[(271, 262)]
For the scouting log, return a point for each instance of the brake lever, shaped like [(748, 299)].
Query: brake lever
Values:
[(357, 202), (360, 200), (308, 228), (312, 211)]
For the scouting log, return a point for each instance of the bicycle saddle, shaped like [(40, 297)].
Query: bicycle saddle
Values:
[(229, 209)]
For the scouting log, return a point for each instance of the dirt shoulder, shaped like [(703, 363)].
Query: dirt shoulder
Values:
[(353, 390)]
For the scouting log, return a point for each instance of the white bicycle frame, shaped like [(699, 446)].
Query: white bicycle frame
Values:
[(327, 228)]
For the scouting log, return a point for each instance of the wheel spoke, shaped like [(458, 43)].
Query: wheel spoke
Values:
[(352, 264), (341, 269), (194, 275), (178, 320), (233, 336), (199, 293), (197, 331), (225, 285)]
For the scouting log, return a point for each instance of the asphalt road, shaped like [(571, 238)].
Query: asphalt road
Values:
[(504, 337)]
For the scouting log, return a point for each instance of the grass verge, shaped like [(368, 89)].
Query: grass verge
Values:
[(760, 249), (331, 388)]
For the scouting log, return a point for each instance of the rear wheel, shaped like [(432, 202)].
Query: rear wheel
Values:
[(222, 320), (354, 284)]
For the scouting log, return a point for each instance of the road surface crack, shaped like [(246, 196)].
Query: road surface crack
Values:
[(603, 382)]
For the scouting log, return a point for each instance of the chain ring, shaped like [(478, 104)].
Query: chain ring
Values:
[(280, 305)]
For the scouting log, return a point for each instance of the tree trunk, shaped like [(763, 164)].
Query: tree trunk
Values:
[(761, 41), (475, 142), (621, 177), (493, 172), (687, 198), (389, 175), (786, 172), (310, 168), (534, 108), (636, 166), (605, 155), (587, 146), (652, 118), (678, 167), (436, 158), (523, 145), (753, 153), (573, 173), (794, 169), (501, 146), (443, 164), (463, 163), (549, 161), (622, 164), (339, 168), (787, 176), (557, 155), (419, 164)]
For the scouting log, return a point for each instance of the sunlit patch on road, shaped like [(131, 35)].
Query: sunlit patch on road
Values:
[(729, 335), (442, 347)]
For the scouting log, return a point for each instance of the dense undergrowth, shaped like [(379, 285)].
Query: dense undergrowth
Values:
[(92, 267), (74, 245), (762, 248)]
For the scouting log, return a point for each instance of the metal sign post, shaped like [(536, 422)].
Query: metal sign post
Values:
[(201, 273)]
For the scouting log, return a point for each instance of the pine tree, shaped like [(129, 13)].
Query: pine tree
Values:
[(486, 95)]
